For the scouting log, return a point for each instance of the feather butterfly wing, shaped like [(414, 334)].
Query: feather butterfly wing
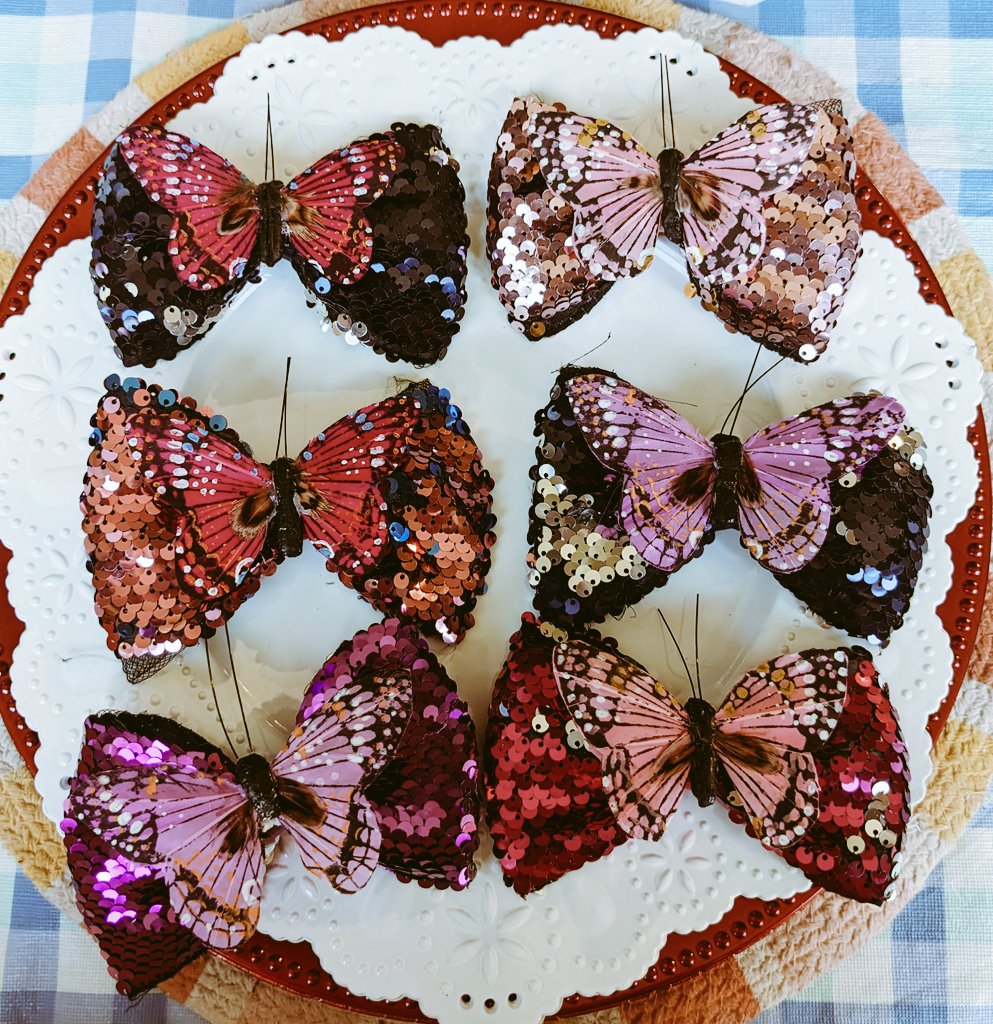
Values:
[(722, 185), (613, 184), (637, 729), (766, 729), (792, 465), (215, 206), (327, 761), (176, 805), (323, 206), (667, 463)]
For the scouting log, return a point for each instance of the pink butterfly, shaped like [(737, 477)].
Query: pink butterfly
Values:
[(753, 752), (709, 203), (163, 798), (680, 487), (220, 216)]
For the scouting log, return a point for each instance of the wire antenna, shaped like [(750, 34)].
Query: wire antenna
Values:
[(270, 146), (572, 362), (217, 703), (665, 622), (283, 435), (237, 689), (658, 56), (668, 89), (696, 646)]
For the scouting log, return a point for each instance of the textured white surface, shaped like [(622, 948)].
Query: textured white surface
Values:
[(598, 929)]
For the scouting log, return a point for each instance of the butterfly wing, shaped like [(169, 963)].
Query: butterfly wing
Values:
[(327, 761), (668, 465), (167, 799), (634, 725), (168, 561), (722, 185), (613, 184), (214, 205), (767, 728), (785, 502), (323, 206)]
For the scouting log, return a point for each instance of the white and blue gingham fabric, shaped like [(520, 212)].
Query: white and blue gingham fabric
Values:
[(926, 68)]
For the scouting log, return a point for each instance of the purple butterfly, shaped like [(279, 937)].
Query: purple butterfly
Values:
[(679, 487), (165, 802), (709, 203)]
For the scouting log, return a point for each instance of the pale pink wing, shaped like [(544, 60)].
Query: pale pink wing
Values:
[(322, 206), (767, 727), (636, 728), (722, 185), (793, 463), (209, 839), (611, 182), (327, 762), (668, 466), (214, 204)]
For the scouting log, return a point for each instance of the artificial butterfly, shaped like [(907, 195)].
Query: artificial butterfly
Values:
[(155, 891), (834, 501), (805, 750), (764, 213), (181, 522), (376, 231), (156, 795)]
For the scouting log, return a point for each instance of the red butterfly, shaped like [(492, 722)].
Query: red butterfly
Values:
[(220, 215), (181, 521)]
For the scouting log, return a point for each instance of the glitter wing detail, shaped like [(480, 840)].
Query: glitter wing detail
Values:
[(667, 463), (612, 182), (181, 523), (762, 737), (640, 732), (323, 207), (722, 186), (794, 463), (215, 207)]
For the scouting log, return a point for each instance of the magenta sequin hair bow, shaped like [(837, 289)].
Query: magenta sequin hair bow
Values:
[(168, 837)]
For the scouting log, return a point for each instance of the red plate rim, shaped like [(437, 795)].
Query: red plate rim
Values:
[(294, 966)]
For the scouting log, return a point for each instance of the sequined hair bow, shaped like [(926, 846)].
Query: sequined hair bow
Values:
[(834, 501), (764, 215), (376, 232), (168, 838), (585, 749), (181, 522)]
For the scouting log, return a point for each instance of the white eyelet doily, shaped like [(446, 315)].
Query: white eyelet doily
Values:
[(485, 949)]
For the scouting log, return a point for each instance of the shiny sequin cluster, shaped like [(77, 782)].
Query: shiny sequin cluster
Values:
[(439, 502), (541, 282), (865, 573), (864, 801), (161, 583), (547, 811), (581, 563), (425, 799), (792, 298), (406, 306)]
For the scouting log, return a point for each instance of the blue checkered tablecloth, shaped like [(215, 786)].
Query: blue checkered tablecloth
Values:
[(926, 68)]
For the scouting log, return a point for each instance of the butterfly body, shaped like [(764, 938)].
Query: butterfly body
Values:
[(288, 507), (255, 776), (700, 716), (272, 209), (670, 163)]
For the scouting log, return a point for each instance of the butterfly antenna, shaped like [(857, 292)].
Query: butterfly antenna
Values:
[(283, 436), (696, 647), (665, 622), (237, 689), (658, 56), (217, 703), (572, 362), (736, 405), (668, 89), (270, 150)]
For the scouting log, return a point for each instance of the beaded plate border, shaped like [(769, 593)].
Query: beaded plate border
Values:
[(294, 966)]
